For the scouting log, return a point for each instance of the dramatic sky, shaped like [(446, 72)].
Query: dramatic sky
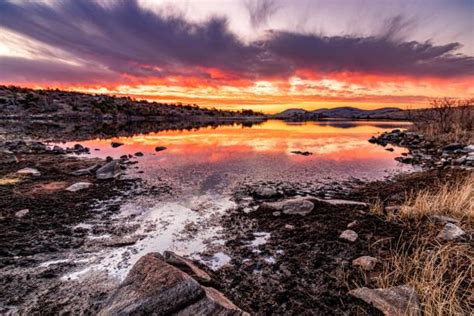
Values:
[(260, 54)]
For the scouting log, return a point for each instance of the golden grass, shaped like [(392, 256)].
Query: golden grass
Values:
[(453, 199), (442, 273)]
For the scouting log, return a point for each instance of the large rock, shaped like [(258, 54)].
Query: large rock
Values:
[(297, 206), (394, 301), (214, 303), (187, 266), (153, 287), (108, 171), (450, 232), (7, 157)]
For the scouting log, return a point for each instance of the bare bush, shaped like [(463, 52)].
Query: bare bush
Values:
[(448, 118)]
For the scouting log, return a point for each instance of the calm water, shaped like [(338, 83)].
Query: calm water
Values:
[(216, 158), (203, 166)]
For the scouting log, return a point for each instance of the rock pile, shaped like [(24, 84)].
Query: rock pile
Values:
[(424, 152)]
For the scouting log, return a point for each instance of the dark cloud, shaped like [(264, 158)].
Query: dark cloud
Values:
[(127, 39)]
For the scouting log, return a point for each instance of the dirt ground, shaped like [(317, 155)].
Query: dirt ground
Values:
[(304, 268)]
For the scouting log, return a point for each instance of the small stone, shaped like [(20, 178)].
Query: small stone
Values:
[(139, 154), (349, 235), (29, 171), (367, 263), (116, 144), (79, 186), (353, 224), (22, 213), (58, 150), (160, 148), (265, 192), (394, 301), (277, 213), (450, 232), (289, 227)]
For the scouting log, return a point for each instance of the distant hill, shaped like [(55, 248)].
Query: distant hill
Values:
[(16, 102), (341, 112)]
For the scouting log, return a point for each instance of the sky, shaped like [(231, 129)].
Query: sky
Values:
[(265, 55)]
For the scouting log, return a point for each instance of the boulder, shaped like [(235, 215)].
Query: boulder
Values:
[(297, 206), (214, 303), (79, 186), (7, 156), (349, 235), (187, 266), (450, 232), (160, 148), (394, 301), (153, 287), (29, 171), (453, 147), (108, 171), (367, 263)]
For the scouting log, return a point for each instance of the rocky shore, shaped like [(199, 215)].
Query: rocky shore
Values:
[(427, 153), (293, 248)]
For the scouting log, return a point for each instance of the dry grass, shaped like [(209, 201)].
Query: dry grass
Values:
[(453, 199), (442, 273)]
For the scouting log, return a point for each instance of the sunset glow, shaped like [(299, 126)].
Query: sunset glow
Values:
[(198, 53)]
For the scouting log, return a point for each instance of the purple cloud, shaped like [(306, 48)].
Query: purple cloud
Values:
[(125, 38)]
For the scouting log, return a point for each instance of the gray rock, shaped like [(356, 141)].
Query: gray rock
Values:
[(367, 263), (29, 171), (79, 186), (353, 224), (453, 147), (450, 232), (214, 303), (297, 206), (58, 150), (7, 157), (37, 146), (108, 171), (187, 266), (153, 287), (469, 148), (85, 171), (394, 301), (265, 192), (22, 213), (349, 235)]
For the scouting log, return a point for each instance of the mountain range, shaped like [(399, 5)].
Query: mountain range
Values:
[(339, 112)]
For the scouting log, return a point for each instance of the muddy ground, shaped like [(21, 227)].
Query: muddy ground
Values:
[(304, 268), (49, 226)]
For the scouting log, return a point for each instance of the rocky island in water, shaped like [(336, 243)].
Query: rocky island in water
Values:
[(114, 206)]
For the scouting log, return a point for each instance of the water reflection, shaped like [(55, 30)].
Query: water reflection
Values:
[(215, 157)]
